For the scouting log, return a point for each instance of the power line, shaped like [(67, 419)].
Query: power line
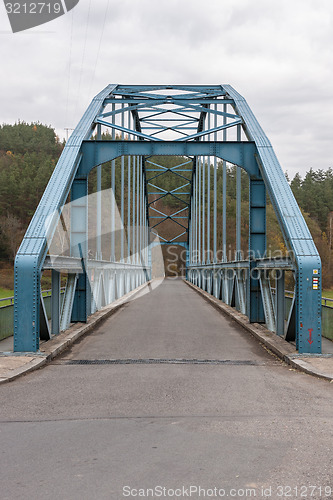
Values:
[(69, 65), (99, 46), (83, 56)]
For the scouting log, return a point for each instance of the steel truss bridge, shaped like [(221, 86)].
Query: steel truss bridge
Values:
[(130, 127)]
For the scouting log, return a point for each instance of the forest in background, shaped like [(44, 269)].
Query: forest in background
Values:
[(29, 153)]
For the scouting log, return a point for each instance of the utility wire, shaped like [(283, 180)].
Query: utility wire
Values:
[(99, 47), (69, 65), (83, 56)]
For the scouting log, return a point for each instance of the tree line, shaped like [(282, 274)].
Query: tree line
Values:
[(29, 153)]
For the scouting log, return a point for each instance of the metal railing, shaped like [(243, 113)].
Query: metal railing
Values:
[(326, 313), (7, 313), (324, 300), (46, 293), (6, 299)]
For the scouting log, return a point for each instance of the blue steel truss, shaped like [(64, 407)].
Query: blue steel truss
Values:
[(196, 123)]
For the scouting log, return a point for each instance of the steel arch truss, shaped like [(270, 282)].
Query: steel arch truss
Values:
[(195, 123)]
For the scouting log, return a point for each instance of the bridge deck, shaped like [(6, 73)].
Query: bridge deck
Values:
[(172, 322), (84, 431)]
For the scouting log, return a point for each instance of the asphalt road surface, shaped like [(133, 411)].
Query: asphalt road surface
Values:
[(230, 418)]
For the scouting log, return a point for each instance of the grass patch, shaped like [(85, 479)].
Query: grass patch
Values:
[(4, 293), (329, 295)]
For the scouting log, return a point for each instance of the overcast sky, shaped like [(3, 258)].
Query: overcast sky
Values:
[(277, 53)]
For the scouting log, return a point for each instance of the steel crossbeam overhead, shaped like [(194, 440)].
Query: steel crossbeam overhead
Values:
[(132, 130)]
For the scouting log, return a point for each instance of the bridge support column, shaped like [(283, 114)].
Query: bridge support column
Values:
[(79, 246), (257, 248), (26, 303), (308, 305)]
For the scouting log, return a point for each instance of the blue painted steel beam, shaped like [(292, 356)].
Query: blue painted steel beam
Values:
[(257, 248), (31, 254), (295, 231), (241, 154), (79, 246), (138, 100)]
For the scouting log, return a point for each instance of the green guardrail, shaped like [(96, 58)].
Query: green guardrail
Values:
[(7, 313), (6, 321), (326, 316)]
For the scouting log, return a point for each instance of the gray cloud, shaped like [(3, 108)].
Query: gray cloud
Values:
[(278, 54)]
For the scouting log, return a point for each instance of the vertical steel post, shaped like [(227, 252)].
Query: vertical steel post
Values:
[(238, 202), (208, 211), (199, 211), (133, 211), (113, 196), (257, 248), (215, 193), (99, 204), (280, 302), (224, 194), (141, 222), (145, 226), (189, 232), (196, 213), (203, 211), (137, 208), (122, 201), (141, 219), (215, 273), (148, 240), (194, 221), (129, 209), (208, 199), (79, 246), (192, 217), (144, 216), (55, 303), (129, 202)]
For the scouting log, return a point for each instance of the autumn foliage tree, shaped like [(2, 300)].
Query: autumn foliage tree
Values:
[(28, 155)]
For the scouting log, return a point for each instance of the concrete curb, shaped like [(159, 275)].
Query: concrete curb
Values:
[(280, 347), (302, 365), (52, 348)]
